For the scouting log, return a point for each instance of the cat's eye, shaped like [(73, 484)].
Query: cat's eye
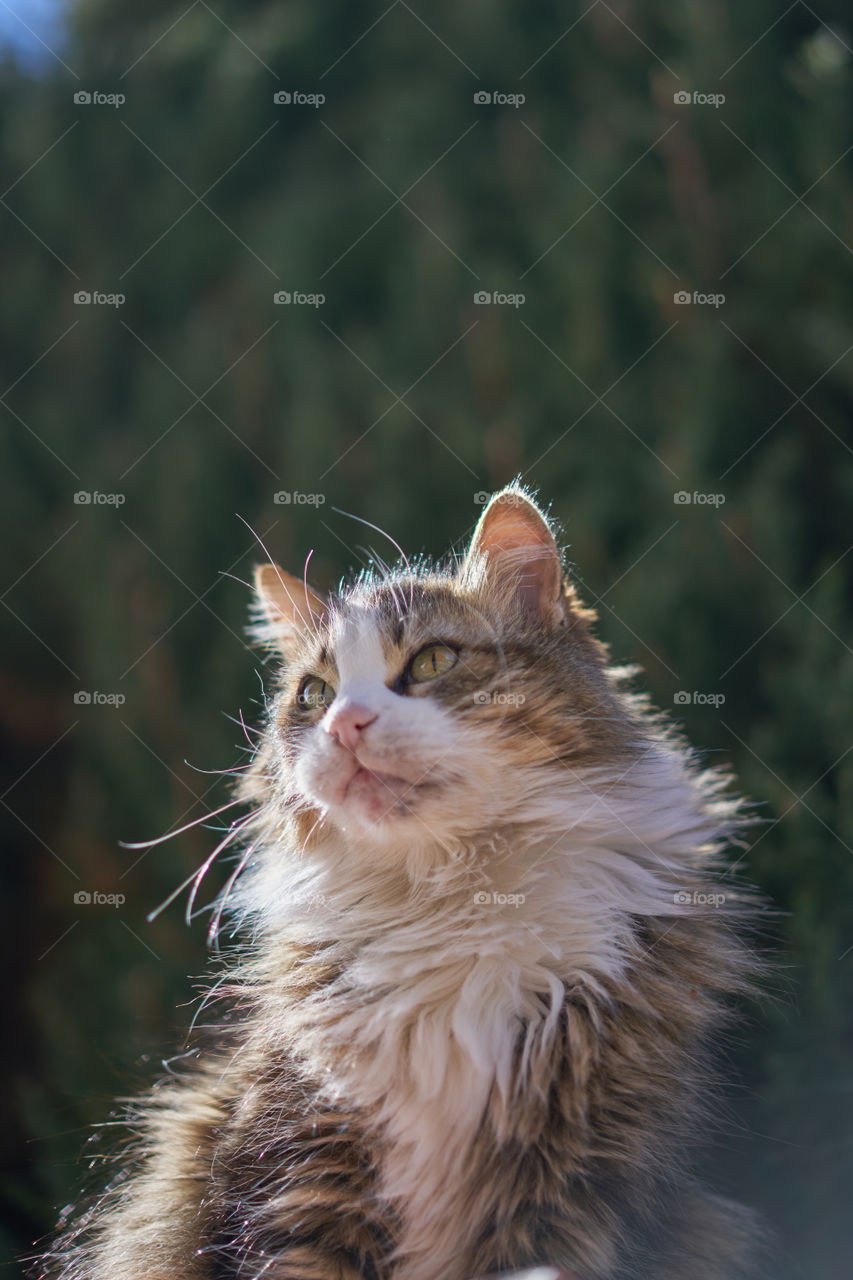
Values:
[(432, 661), (315, 694)]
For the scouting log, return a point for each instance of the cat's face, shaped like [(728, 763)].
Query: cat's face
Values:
[(425, 706)]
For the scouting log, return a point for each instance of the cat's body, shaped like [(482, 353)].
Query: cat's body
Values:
[(488, 946)]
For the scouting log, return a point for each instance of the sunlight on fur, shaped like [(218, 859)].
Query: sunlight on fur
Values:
[(486, 934)]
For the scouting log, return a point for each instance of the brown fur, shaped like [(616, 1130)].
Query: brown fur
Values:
[(244, 1168)]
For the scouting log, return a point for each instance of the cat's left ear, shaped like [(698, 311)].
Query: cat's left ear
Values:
[(513, 545), (286, 607)]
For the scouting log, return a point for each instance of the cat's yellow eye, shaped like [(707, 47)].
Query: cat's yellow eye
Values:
[(432, 661), (315, 694)]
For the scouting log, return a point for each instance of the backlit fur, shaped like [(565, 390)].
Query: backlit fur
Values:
[(467, 1028)]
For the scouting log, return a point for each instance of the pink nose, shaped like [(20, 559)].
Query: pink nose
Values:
[(347, 720)]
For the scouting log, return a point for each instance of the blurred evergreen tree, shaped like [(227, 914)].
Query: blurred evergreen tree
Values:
[(399, 399)]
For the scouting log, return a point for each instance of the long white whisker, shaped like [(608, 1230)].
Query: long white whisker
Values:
[(149, 844), (246, 731), (234, 830), (393, 542), (213, 931), (310, 620), (306, 589), (388, 576), (215, 772), (197, 874)]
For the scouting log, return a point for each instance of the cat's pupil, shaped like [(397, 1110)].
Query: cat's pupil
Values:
[(432, 661)]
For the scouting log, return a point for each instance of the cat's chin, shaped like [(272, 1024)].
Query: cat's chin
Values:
[(376, 796), (372, 799)]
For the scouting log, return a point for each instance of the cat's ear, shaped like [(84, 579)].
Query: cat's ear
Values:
[(286, 607), (514, 547)]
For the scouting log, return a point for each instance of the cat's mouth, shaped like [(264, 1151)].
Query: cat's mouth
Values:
[(377, 794)]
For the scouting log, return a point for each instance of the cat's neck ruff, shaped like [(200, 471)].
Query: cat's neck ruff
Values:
[(470, 939), (450, 987)]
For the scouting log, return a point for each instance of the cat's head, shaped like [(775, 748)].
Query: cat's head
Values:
[(424, 706)]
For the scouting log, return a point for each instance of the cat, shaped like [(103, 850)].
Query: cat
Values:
[(487, 941)]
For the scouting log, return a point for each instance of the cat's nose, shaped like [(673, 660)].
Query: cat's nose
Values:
[(347, 721)]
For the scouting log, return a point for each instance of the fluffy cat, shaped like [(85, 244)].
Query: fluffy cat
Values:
[(487, 941)]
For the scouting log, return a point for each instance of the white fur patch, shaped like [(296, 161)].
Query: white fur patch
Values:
[(450, 945)]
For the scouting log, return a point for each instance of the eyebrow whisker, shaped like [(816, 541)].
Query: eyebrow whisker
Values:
[(395, 544)]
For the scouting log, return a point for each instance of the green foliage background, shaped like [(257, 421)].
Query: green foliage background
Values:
[(400, 399)]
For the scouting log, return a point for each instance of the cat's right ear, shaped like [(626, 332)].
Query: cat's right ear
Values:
[(514, 548), (287, 609)]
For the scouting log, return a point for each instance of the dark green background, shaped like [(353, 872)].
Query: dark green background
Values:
[(400, 399)]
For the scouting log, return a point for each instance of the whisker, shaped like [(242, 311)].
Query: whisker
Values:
[(199, 874), (213, 931), (388, 577), (206, 998), (308, 593), (217, 772), (223, 573), (393, 542), (263, 692), (282, 583), (152, 915), (179, 831), (247, 730), (234, 830)]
